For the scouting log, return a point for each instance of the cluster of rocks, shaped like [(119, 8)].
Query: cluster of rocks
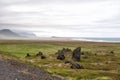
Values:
[(75, 57), (39, 54), (64, 54), (75, 54), (61, 53)]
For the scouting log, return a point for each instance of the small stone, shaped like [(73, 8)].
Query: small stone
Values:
[(43, 57)]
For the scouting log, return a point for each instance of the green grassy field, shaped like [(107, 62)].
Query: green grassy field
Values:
[(103, 66)]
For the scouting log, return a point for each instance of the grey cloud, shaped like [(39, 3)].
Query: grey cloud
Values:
[(34, 1), (115, 20), (20, 2), (16, 20)]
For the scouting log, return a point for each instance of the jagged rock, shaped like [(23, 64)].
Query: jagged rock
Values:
[(62, 54), (76, 66), (76, 54)]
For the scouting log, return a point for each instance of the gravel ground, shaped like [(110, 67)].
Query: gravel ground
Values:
[(13, 70)]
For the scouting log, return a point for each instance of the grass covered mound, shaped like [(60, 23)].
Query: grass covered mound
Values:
[(101, 61)]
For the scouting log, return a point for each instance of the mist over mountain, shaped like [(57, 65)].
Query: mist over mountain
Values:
[(10, 34), (25, 34)]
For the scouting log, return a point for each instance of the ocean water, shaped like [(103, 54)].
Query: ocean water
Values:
[(98, 39)]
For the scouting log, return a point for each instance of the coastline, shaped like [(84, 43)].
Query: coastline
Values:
[(65, 39)]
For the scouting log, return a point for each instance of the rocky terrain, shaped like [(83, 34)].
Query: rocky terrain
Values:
[(45, 60), (13, 70)]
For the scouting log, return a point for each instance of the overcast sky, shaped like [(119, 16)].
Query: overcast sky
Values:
[(65, 18)]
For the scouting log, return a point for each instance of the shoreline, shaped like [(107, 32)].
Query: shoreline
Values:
[(53, 41), (61, 39)]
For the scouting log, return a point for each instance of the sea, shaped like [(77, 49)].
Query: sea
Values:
[(97, 39)]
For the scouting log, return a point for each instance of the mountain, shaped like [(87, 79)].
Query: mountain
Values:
[(6, 33), (9, 34), (25, 34)]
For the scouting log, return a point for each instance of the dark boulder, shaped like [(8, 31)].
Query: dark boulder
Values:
[(76, 54), (76, 66), (62, 54), (61, 57), (43, 57)]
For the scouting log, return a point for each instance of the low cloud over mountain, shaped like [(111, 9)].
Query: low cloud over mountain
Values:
[(9, 34)]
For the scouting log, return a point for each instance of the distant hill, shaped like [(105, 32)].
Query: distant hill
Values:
[(9, 34), (6, 33), (25, 34)]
